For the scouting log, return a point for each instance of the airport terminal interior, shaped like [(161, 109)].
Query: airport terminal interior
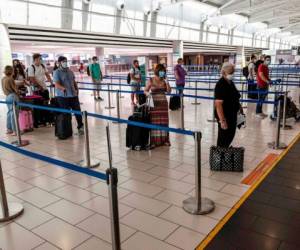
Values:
[(150, 124)]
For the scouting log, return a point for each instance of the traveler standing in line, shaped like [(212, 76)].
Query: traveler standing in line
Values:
[(159, 114), (66, 90), (251, 70), (227, 106), (135, 80), (263, 82), (180, 74), (96, 75), (20, 78), (37, 74), (10, 90)]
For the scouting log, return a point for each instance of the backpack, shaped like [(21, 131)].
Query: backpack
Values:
[(88, 71), (26, 73), (129, 75), (245, 71), (258, 62)]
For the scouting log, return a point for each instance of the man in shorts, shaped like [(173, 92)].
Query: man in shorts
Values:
[(96, 75)]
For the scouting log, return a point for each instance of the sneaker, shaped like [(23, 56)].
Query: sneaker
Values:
[(81, 131), (100, 98)]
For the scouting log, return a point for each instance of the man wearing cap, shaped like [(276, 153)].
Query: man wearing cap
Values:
[(66, 90)]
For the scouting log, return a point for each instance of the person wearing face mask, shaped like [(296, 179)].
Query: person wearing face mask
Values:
[(96, 74), (263, 82), (227, 106), (180, 74), (66, 90), (37, 74), (159, 114)]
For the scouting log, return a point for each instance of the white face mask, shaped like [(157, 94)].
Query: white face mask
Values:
[(229, 77), (64, 65)]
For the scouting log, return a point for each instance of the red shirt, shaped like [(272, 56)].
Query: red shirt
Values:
[(265, 70)]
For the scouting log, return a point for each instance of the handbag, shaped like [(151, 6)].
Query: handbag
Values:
[(226, 159), (241, 120), (150, 102)]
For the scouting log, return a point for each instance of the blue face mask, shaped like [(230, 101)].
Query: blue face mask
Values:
[(161, 74)]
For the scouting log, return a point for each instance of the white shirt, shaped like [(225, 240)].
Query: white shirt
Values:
[(39, 74), (136, 73), (251, 70)]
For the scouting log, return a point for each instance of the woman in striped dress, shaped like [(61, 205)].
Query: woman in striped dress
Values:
[(159, 114)]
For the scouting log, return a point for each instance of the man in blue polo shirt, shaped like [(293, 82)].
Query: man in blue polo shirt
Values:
[(66, 90)]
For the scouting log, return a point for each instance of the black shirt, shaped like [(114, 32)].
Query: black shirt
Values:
[(230, 95)]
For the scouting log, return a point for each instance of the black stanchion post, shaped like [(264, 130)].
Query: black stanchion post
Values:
[(19, 142), (196, 94), (182, 111), (10, 210), (276, 144), (88, 162), (284, 125), (118, 105), (198, 204), (112, 182), (120, 88)]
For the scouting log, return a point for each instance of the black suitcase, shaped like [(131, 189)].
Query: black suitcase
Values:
[(252, 87), (137, 138), (63, 126), (142, 99), (174, 102)]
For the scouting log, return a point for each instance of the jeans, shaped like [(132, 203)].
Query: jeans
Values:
[(261, 98), (71, 103), (226, 136), (10, 119)]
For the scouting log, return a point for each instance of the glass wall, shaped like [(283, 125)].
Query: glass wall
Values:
[(101, 17)]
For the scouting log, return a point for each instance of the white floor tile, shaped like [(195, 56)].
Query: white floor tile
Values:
[(47, 183), (142, 241), (14, 186), (177, 186), (68, 211), (185, 239), (99, 226), (199, 223), (142, 188), (38, 197), (61, 234), (149, 224), (93, 244), (15, 237), (74, 194)]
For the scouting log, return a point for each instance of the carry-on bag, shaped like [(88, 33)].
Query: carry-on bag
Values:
[(226, 159), (63, 126), (25, 121), (252, 91), (137, 138), (174, 102)]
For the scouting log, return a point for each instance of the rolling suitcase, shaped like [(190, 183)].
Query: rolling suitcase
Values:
[(25, 121), (252, 88), (174, 103), (137, 138), (63, 126)]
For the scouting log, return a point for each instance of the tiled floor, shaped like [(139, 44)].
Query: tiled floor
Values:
[(66, 210), (270, 218)]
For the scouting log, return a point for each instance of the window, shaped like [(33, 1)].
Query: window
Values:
[(102, 23), (44, 16), (223, 39), (211, 38), (13, 12)]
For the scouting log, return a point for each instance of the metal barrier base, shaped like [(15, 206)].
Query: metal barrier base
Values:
[(14, 210), (23, 143), (281, 145), (196, 103), (287, 127), (93, 164), (109, 107), (190, 206)]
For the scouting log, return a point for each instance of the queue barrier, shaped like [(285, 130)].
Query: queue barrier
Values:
[(199, 204)]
